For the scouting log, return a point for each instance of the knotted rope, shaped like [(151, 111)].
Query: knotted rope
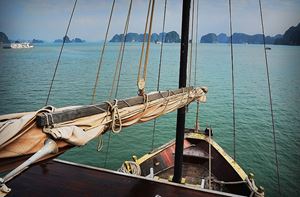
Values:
[(115, 117)]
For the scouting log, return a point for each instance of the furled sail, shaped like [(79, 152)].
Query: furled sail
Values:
[(21, 135)]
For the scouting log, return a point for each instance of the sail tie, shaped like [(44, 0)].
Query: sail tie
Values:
[(116, 123)]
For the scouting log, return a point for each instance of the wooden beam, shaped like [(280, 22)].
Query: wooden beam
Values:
[(48, 119)]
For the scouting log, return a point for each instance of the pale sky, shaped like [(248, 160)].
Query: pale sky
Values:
[(47, 19)]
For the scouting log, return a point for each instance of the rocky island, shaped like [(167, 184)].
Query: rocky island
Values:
[(68, 40), (238, 38), (170, 37), (3, 38), (37, 41), (290, 37)]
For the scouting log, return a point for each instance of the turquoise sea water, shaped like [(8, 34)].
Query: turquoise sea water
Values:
[(25, 76)]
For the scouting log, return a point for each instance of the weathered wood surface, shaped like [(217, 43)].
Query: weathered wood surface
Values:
[(59, 179), (89, 110)]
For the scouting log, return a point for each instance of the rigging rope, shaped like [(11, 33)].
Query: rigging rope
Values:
[(159, 67), (191, 49), (161, 47), (122, 56), (121, 53), (232, 84), (197, 125), (141, 81), (118, 69), (102, 52), (270, 97), (143, 45), (196, 49), (61, 49)]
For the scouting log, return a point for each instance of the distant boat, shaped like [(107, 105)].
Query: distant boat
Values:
[(268, 48), (157, 42), (23, 45)]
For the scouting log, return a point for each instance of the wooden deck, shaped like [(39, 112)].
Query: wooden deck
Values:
[(57, 178)]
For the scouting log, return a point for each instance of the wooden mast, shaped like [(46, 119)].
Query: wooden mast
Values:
[(182, 83)]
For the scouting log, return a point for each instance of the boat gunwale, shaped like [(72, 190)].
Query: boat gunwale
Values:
[(162, 181)]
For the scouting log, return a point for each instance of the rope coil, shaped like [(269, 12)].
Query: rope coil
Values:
[(130, 167)]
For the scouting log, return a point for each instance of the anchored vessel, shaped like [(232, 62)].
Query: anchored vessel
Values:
[(193, 164), (23, 45)]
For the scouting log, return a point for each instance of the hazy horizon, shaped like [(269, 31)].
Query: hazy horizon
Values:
[(47, 20)]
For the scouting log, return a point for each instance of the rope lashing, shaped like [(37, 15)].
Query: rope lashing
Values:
[(201, 99), (116, 122), (146, 102)]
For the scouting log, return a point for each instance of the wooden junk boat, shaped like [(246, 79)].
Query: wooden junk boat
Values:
[(193, 165), (215, 171)]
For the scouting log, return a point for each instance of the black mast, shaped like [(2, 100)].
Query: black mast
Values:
[(182, 83)]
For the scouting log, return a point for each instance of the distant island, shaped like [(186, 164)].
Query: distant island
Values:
[(3, 38), (67, 40), (238, 38), (170, 37), (37, 41), (290, 37)]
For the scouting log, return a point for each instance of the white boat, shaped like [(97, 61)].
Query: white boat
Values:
[(23, 45)]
